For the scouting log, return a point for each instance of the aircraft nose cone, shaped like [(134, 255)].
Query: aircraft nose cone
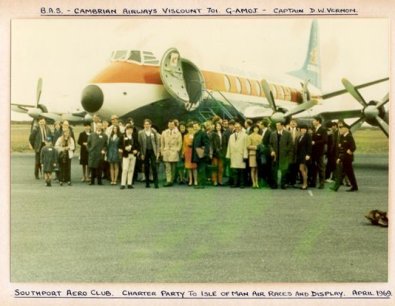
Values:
[(92, 98)]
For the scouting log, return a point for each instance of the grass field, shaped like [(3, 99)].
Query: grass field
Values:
[(367, 140), (102, 234)]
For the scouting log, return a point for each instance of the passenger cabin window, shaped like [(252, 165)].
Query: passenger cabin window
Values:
[(238, 85), (248, 86), (257, 88), (227, 83)]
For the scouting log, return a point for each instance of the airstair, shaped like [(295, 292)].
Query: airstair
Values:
[(212, 106)]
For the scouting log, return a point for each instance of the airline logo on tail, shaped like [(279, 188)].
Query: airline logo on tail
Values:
[(311, 70)]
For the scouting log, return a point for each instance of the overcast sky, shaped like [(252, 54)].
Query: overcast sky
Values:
[(67, 53)]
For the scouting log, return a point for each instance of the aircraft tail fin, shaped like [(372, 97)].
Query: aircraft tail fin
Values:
[(311, 69)]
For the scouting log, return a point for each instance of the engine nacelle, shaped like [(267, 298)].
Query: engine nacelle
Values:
[(182, 79)]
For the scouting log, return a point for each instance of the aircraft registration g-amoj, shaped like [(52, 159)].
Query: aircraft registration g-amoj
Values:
[(136, 84)]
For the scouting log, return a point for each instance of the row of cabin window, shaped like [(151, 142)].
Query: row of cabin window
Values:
[(253, 87)]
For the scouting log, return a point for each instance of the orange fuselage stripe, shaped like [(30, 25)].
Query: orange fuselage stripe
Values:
[(127, 72)]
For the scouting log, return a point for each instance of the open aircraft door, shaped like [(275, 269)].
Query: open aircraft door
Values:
[(182, 79)]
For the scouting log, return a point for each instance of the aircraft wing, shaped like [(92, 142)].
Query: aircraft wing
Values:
[(77, 117), (255, 111), (335, 115), (343, 91)]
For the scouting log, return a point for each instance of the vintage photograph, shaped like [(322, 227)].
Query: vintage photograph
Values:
[(199, 150)]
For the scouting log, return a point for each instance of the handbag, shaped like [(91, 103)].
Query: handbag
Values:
[(200, 152)]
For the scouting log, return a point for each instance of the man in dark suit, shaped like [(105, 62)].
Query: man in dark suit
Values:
[(149, 141), (201, 143), (97, 148), (281, 149), (37, 139), (293, 165), (333, 136), (264, 160), (345, 157), (225, 139), (319, 142)]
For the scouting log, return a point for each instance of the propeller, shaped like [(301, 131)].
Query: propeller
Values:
[(39, 90), (280, 114), (373, 112), (37, 111)]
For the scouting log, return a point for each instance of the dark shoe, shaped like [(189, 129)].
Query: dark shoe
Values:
[(283, 187), (91, 183), (156, 186), (352, 189), (147, 186), (100, 183), (122, 187), (334, 188), (322, 186), (61, 183), (130, 187), (167, 184)]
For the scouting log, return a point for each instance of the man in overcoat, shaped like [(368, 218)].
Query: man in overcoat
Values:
[(149, 140), (37, 140), (97, 148), (281, 153), (319, 143), (171, 143)]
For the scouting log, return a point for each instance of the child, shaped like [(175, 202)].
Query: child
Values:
[(49, 160)]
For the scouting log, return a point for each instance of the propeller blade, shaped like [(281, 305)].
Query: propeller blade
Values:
[(301, 108), (39, 89), (357, 124), (384, 101), (382, 125), (354, 92), (19, 109), (269, 95)]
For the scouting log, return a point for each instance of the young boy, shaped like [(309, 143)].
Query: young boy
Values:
[(49, 160)]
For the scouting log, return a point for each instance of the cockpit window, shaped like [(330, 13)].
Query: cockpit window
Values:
[(134, 56), (119, 55), (137, 56)]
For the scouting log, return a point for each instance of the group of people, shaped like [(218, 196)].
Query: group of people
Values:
[(252, 154)]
